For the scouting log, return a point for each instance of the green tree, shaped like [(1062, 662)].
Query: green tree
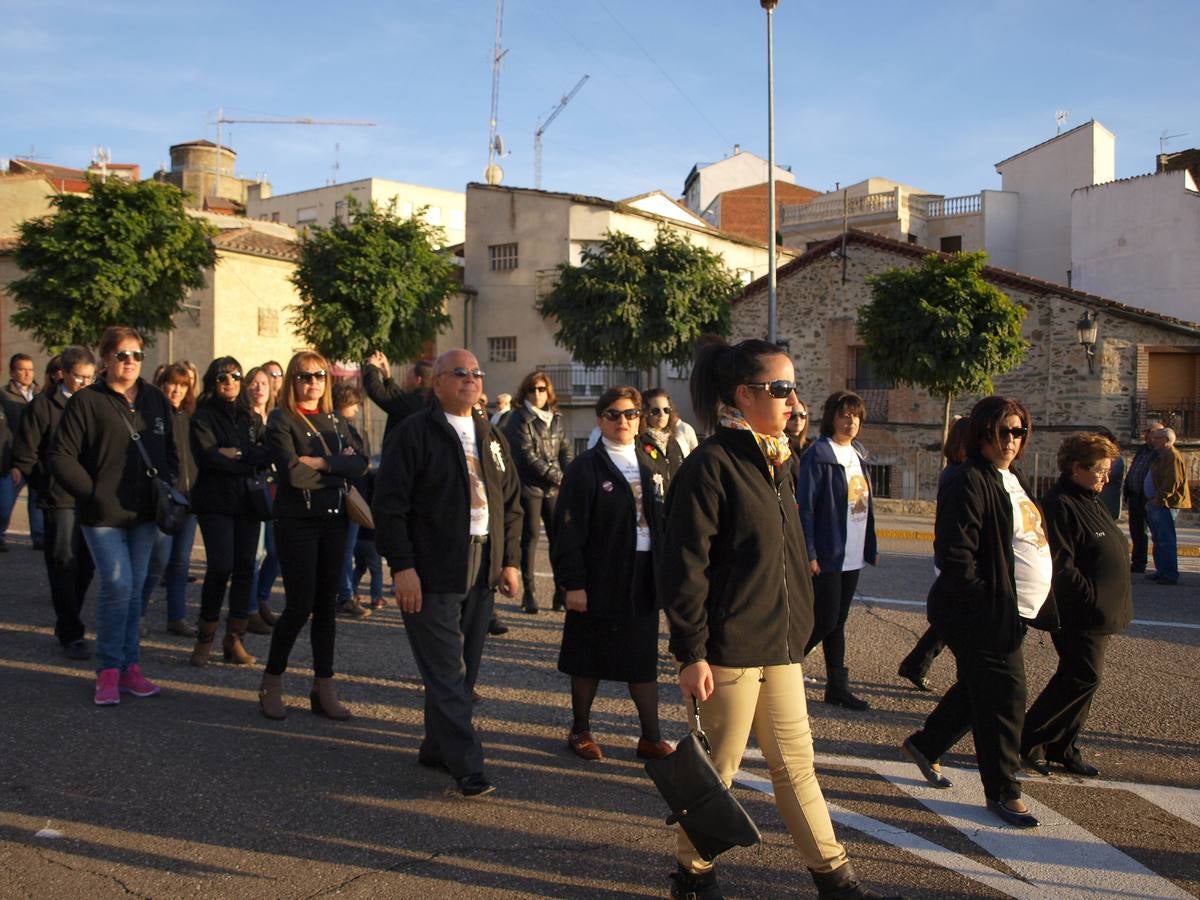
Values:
[(374, 282), (122, 254), (634, 306), (940, 326)]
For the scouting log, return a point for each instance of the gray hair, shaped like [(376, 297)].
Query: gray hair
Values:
[(1168, 436)]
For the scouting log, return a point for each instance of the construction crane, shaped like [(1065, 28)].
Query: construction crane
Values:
[(541, 130), (222, 119)]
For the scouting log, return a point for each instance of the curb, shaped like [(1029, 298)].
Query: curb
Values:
[(900, 534)]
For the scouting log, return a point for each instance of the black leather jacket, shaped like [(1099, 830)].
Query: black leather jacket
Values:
[(542, 452)]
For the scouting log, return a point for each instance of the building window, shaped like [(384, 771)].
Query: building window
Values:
[(268, 322), (952, 244), (503, 257), (341, 212), (305, 215), (433, 215), (912, 238), (274, 217), (502, 349), (862, 374)]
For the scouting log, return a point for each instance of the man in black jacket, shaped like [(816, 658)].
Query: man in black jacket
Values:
[(69, 564), (399, 401), (448, 520), (1135, 498)]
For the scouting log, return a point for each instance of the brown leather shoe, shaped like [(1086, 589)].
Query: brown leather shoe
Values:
[(270, 697), (324, 701), (265, 613), (181, 627), (584, 746), (653, 749), (232, 646), (256, 624), (205, 632)]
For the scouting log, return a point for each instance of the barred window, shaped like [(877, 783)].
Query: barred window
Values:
[(502, 349), (503, 257)]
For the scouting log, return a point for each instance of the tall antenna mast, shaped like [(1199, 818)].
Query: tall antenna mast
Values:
[(1164, 137), (541, 129), (1060, 119), (493, 173)]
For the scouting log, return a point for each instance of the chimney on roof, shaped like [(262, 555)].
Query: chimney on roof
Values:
[(737, 148)]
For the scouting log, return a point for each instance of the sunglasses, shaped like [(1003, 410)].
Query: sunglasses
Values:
[(655, 411), (780, 390), (310, 377), (127, 355), (614, 415), (799, 415), (274, 374), (226, 377), (540, 389), (1019, 433), (460, 372)]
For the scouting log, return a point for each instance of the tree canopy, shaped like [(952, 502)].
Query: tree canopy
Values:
[(123, 254), (942, 327), (373, 282), (634, 306)]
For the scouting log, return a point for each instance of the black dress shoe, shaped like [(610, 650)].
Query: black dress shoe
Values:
[(77, 650), (475, 785), (919, 681), (1035, 764), (497, 628), (1078, 767), (1011, 816), (931, 770)]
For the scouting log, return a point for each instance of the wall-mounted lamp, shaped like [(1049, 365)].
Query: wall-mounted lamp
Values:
[(1085, 328)]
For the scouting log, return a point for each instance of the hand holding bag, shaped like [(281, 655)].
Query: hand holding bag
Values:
[(357, 508)]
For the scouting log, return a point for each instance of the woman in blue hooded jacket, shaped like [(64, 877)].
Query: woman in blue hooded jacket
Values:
[(837, 513)]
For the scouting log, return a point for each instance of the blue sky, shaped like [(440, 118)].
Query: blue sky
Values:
[(928, 93)]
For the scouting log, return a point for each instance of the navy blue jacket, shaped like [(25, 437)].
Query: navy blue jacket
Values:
[(821, 492)]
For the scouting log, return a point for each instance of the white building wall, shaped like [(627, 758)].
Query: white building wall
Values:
[(1000, 213), (740, 170), (1137, 241), (1045, 176)]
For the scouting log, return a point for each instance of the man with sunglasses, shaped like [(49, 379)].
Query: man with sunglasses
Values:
[(448, 521), (399, 401)]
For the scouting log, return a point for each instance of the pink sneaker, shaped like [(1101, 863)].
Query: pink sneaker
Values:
[(134, 682), (106, 687)]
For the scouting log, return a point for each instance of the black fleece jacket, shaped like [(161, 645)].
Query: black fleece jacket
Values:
[(31, 448), (398, 403), (302, 491), (94, 459), (595, 528), (1091, 560), (221, 482), (735, 579), (422, 503)]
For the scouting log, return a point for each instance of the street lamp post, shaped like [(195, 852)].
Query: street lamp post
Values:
[(772, 300)]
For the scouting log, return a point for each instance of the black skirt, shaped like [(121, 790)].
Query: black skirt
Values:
[(615, 648)]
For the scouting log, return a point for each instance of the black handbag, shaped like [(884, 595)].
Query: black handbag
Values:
[(700, 801), (258, 492), (171, 507)]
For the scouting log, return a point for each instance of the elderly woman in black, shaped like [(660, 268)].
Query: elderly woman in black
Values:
[(738, 597), (542, 453), (1092, 593), (657, 438), (608, 524), (313, 454), (227, 442), (995, 571)]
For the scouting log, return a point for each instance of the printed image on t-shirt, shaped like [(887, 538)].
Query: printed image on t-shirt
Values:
[(1032, 567), (624, 457), (464, 427), (857, 499)]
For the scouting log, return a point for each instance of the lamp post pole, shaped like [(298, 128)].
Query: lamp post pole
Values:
[(772, 299)]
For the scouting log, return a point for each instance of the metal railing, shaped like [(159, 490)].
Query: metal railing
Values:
[(1181, 415), (578, 385)]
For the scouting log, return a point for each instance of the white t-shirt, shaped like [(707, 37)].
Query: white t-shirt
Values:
[(1031, 550), (624, 456), (464, 427), (857, 497)]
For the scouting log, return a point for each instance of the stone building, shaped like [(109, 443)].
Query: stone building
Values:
[(1146, 364)]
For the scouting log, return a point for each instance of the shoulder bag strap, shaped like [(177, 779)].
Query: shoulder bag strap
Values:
[(137, 440)]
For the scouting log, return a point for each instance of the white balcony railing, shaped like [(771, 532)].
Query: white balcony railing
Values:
[(954, 206), (833, 208)]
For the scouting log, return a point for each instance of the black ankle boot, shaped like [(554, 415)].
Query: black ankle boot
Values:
[(686, 885), (843, 884), (837, 690)]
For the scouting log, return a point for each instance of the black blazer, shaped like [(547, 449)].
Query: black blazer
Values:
[(302, 491), (542, 451), (595, 524), (735, 580), (422, 503), (221, 483)]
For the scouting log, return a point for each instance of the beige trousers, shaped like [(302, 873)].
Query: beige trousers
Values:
[(776, 709)]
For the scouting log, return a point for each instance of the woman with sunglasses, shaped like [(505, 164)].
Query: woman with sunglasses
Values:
[(542, 453), (994, 581), (658, 435), (313, 454), (227, 440), (738, 596), (608, 526), (94, 456), (838, 515)]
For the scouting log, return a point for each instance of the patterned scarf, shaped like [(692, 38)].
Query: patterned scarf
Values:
[(774, 446)]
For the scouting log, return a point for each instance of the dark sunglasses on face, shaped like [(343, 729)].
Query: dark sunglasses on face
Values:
[(1019, 433), (226, 377), (614, 415), (799, 415), (540, 389), (126, 355), (274, 374), (656, 411), (310, 377), (460, 372), (780, 389)]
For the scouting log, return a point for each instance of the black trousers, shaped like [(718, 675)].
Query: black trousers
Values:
[(311, 552), (1138, 532), (989, 701), (446, 637), (536, 509), (231, 546), (832, 593), (928, 646), (1053, 723), (69, 569)]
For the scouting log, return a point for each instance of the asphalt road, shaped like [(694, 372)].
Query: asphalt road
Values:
[(193, 793)]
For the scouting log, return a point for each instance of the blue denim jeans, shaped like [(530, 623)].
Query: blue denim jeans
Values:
[(169, 564), (8, 499), (37, 522), (346, 585), (366, 560), (1162, 529), (268, 572), (122, 556)]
